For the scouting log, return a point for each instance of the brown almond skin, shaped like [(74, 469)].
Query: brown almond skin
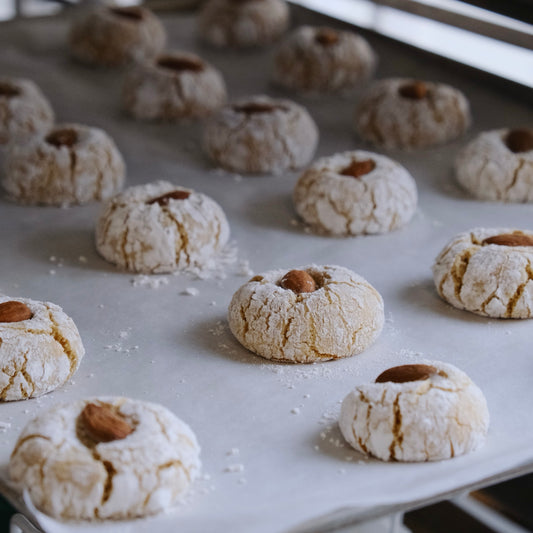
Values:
[(102, 424), (326, 37), (416, 90), (8, 90), (64, 137), (298, 281), (256, 107), (405, 373), (132, 13), (13, 311), (510, 239), (356, 169), (180, 64), (164, 199), (520, 140)]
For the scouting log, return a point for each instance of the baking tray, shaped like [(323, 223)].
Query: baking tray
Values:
[(273, 457)]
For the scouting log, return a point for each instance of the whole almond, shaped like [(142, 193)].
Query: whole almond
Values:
[(8, 90), (298, 281), (133, 13), (13, 311), (253, 108), (415, 90), (326, 37), (510, 239), (180, 64), (357, 169), (520, 140), (165, 198), (405, 373), (102, 424), (63, 137)]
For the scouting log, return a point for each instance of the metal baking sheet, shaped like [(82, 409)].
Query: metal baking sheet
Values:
[(273, 457)]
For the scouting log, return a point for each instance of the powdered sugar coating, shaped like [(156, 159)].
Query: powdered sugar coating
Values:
[(341, 318), (153, 92), (285, 138), (39, 172), (101, 37), (486, 279), (488, 170), (243, 23), (388, 119), (39, 354), (382, 200), (152, 238), (437, 418), (24, 114), (70, 477), (302, 63)]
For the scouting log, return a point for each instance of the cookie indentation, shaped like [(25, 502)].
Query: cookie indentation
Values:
[(298, 281), (63, 137), (520, 140), (510, 239), (405, 373), (14, 311), (356, 169), (164, 199), (180, 64)]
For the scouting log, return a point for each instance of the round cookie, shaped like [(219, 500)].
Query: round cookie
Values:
[(40, 348), (260, 134), (488, 271), (113, 35), (105, 458), (321, 59), (310, 314), (354, 193), (24, 110), (173, 86), (406, 113), (420, 412), (243, 23), (498, 165), (160, 227), (71, 164)]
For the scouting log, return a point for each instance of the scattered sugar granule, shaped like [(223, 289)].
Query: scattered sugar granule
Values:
[(232, 469), (82, 259), (100, 306), (244, 268), (295, 411), (307, 396), (233, 452), (52, 258), (151, 282), (341, 471), (213, 303), (124, 334), (242, 481), (52, 272), (4, 426), (294, 222), (190, 291)]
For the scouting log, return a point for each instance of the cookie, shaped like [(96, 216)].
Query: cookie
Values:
[(322, 59), (488, 271), (260, 134), (406, 113), (173, 86), (313, 313), (160, 227), (114, 35), (40, 348), (24, 110), (354, 193), (105, 458), (243, 23), (417, 412), (498, 165), (70, 164)]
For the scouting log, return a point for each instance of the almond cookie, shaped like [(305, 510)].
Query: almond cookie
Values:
[(498, 165), (353, 193), (488, 271), (105, 458), (40, 348), (310, 314), (160, 227), (406, 113), (24, 110), (321, 59), (260, 134), (173, 86), (71, 164), (420, 412), (243, 23), (113, 35)]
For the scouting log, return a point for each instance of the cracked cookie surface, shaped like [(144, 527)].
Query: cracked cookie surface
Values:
[(489, 170), (260, 134), (70, 475), (24, 110), (489, 279), (337, 198), (160, 227), (440, 416), (37, 354), (113, 35), (70, 164), (172, 86), (341, 317), (243, 23), (320, 59), (392, 115)]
